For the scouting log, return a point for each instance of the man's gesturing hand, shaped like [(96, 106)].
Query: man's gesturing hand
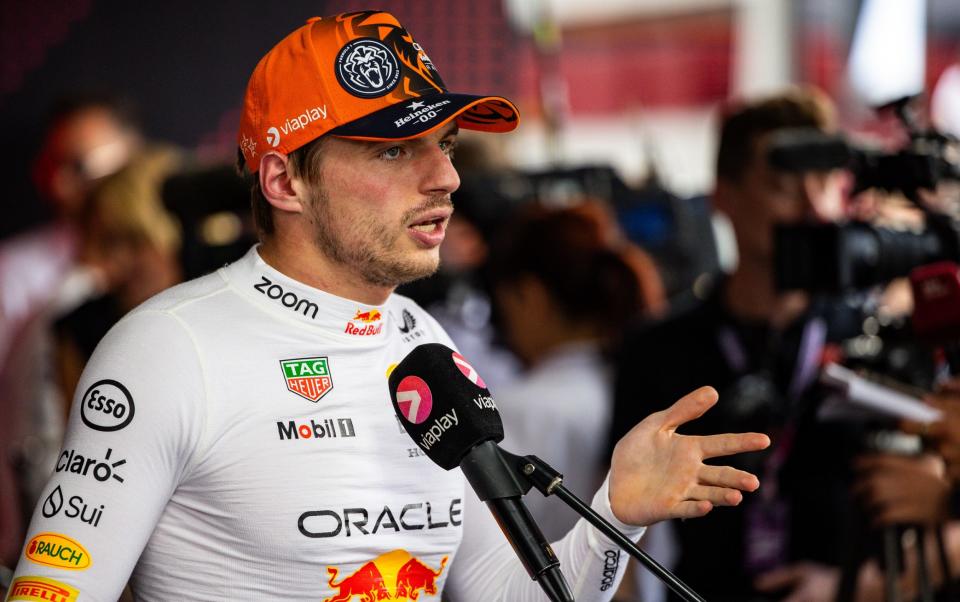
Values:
[(656, 474)]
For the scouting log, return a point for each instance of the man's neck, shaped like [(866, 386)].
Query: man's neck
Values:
[(750, 295), (304, 263)]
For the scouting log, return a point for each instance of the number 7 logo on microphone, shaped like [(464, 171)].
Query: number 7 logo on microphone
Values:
[(414, 399)]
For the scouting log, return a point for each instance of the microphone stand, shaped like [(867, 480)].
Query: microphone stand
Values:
[(502, 490), (548, 481)]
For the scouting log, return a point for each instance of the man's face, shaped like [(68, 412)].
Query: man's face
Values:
[(765, 197), (380, 209)]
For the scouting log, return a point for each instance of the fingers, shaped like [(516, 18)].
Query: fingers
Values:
[(717, 496), (729, 477), (692, 509), (689, 407), (728, 444)]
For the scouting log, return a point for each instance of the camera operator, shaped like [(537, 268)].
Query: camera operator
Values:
[(761, 349), (920, 490)]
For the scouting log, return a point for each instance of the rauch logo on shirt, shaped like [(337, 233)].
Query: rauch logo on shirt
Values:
[(60, 551)]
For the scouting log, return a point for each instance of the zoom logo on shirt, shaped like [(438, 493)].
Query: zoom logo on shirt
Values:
[(356, 521), (288, 299)]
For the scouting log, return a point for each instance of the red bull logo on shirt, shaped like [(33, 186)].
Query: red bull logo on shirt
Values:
[(396, 576), (308, 377), (368, 317), (369, 320)]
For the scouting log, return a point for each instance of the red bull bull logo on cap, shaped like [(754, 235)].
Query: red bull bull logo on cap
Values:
[(396, 576)]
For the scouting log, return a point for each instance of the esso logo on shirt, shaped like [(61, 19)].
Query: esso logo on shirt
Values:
[(107, 406)]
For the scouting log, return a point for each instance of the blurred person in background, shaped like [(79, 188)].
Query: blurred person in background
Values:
[(761, 349), (88, 137), (128, 232), (565, 281)]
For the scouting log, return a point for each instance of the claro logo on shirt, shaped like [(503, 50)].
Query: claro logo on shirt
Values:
[(41, 589), (54, 549), (71, 460)]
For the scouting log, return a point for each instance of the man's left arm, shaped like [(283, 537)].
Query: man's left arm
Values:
[(655, 474)]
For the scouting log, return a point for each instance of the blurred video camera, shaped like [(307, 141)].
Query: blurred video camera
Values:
[(853, 256)]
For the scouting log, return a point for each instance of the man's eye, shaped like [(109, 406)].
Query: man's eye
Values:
[(448, 146), (391, 153)]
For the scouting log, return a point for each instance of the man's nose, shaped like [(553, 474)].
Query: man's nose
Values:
[(438, 173)]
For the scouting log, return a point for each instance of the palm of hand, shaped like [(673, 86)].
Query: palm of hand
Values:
[(657, 474)]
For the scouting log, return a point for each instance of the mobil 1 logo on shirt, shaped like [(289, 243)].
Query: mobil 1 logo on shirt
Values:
[(107, 406)]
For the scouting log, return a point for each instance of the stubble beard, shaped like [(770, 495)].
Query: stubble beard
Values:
[(363, 245)]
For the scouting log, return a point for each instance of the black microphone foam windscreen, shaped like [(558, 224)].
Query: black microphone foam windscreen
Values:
[(443, 403)]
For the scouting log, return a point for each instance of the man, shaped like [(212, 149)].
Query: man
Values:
[(233, 438), (759, 346)]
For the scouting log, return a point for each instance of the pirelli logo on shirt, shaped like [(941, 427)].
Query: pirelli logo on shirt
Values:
[(41, 589)]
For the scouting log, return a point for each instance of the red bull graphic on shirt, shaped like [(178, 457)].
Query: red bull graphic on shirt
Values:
[(369, 320), (367, 317), (308, 377), (414, 399), (395, 576)]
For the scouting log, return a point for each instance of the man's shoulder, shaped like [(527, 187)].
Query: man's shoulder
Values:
[(185, 293)]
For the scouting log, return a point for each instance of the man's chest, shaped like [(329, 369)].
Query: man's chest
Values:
[(303, 453)]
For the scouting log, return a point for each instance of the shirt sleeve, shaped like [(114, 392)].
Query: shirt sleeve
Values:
[(486, 568), (137, 415)]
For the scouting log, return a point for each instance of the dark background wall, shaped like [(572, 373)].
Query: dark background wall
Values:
[(185, 66)]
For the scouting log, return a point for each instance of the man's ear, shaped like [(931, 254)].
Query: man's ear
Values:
[(276, 183)]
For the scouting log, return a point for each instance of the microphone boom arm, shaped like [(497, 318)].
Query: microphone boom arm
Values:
[(549, 481)]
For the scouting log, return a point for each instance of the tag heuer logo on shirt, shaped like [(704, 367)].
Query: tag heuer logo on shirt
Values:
[(308, 377)]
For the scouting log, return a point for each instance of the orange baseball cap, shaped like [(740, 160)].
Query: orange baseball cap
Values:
[(355, 75)]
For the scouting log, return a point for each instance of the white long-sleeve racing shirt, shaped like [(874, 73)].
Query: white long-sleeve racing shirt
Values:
[(233, 439)]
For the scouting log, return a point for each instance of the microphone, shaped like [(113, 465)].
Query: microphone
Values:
[(447, 409)]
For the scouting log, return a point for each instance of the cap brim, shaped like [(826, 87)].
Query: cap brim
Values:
[(425, 114)]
